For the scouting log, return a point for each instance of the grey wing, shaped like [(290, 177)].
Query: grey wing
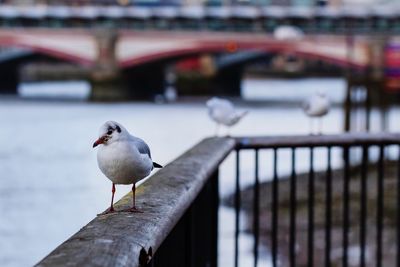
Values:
[(142, 146)]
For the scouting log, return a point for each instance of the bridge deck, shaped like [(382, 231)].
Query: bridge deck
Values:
[(138, 47)]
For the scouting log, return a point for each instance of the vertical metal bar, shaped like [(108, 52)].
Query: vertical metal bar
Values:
[(363, 203), (237, 208), (398, 211), (310, 239), (275, 197), (367, 108), (379, 215), (256, 209), (176, 249), (293, 189), (328, 209), (190, 236), (346, 183), (384, 110), (213, 213), (348, 103)]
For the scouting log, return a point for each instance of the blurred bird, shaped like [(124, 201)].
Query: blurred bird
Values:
[(223, 112), (316, 106), (123, 158), (288, 33)]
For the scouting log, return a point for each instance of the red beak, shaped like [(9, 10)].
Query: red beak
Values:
[(98, 141)]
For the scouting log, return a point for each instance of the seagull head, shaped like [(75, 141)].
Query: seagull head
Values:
[(212, 102), (110, 132)]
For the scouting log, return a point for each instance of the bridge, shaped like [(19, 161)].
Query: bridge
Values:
[(382, 18), (131, 64), (135, 48)]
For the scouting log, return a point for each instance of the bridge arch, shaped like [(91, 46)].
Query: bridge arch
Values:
[(147, 68), (56, 44), (334, 51)]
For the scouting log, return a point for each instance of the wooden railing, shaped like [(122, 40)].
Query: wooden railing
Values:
[(174, 222)]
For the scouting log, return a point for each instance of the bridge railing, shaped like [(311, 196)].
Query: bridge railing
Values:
[(334, 193), (234, 18)]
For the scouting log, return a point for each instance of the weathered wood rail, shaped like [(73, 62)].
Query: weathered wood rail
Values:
[(123, 239)]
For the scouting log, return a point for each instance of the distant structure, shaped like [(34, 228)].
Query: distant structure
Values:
[(67, 2), (299, 3), (223, 112), (288, 33), (136, 41), (316, 106)]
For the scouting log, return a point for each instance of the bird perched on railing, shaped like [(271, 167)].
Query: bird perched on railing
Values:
[(316, 106), (123, 158), (223, 112)]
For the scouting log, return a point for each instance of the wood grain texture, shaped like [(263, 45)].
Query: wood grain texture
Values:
[(117, 239)]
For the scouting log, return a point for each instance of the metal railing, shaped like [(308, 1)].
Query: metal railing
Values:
[(296, 218), (350, 224)]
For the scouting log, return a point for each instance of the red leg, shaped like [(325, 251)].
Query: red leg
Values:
[(112, 198), (133, 209), (134, 196), (111, 209)]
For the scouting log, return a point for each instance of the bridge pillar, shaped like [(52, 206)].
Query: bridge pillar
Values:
[(228, 81), (106, 78), (145, 82), (372, 83), (9, 78)]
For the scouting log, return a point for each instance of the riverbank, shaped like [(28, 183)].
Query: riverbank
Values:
[(389, 220)]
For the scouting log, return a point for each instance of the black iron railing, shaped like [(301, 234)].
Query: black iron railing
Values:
[(316, 216), (353, 231)]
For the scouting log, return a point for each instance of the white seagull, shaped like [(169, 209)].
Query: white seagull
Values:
[(288, 33), (123, 158), (316, 106), (223, 112)]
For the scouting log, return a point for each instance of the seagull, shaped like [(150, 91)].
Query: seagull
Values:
[(223, 112), (316, 106), (123, 158), (288, 33)]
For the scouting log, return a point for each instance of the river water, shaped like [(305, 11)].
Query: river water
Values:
[(50, 185)]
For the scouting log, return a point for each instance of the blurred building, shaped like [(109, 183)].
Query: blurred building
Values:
[(67, 2), (284, 3)]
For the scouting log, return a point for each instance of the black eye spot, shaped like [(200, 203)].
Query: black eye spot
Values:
[(118, 129), (109, 132)]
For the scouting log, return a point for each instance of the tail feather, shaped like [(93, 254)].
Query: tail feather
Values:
[(244, 113), (156, 165), (237, 117)]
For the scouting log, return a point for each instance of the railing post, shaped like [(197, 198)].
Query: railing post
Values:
[(204, 225), (105, 78), (194, 240), (347, 106), (174, 249)]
